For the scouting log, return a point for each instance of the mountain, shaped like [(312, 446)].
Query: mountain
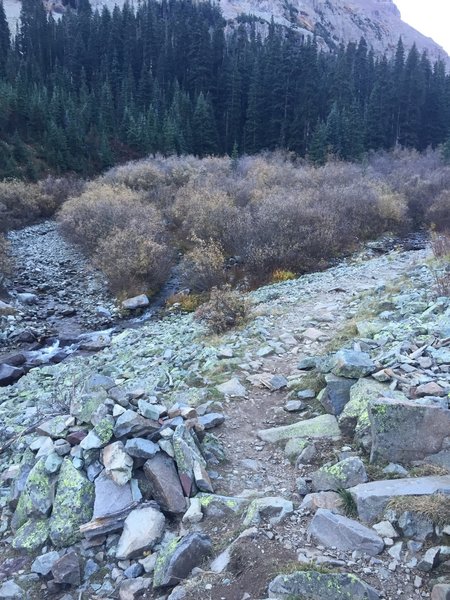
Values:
[(378, 21), (333, 22)]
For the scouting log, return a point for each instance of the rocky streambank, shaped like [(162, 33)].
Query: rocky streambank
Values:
[(305, 455)]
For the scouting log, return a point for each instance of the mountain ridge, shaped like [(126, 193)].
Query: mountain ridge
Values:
[(340, 21)]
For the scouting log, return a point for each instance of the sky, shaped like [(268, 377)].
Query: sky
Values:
[(430, 17)]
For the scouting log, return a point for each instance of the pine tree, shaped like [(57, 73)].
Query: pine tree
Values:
[(5, 40)]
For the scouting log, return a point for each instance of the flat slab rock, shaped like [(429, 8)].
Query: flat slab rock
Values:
[(323, 426), (372, 498), (312, 585), (334, 530)]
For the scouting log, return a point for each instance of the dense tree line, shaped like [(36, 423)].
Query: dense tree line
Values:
[(172, 76)]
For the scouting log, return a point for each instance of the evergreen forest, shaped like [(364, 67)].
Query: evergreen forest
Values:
[(89, 89)]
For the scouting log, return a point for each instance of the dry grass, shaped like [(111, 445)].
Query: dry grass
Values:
[(427, 471), (440, 243), (436, 507), (225, 309)]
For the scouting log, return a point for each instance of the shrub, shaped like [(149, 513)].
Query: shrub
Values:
[(133, 261), (21, 203), (186, 302), (438, 214), (203, 267), (440, 244), (5, 260), (279, 275), (225, 309)]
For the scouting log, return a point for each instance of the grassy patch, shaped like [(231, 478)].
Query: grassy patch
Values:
[(436, 507), (348, 503)]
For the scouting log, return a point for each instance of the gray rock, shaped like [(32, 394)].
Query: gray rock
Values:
[(132, 589), (302, 486), (336, 394), (136, 302), (194, 513), (394, 469), (372, 498), (307, 363), (73, 505), (277, 382), (176, 561), (165, 484), (441, 591), (385, 529), (131, 424), (143, 528), (344, 474), (118, 464), (273, 509), (334, 530), (306, 394), (232, 388), (10, 374), (354, 419), (211, 420), (352, 364), (328, 500), (217, 507), (406, 432), (95, 342), (43, 564), (10, 590), (141, 448), (430, 560), (324, 426), (294, 406), (133, 571), (151, 411), (415, 525), (313, 585), (110, 497), (67, 569)]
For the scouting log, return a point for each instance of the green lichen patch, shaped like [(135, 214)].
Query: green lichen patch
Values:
[(31, 536)]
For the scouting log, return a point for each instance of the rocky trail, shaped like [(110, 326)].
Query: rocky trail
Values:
[(313, 444)]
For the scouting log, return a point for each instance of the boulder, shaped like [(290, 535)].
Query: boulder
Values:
[(215, 506), (176, 561), (9, 374), (132, 589), (344, 474), (165, 484), (94, 342), (441, 591), (313, 585), (372, 498), (406, 432), (336, 394), (352, 364), (73, 506), (143, 528), (274, 510), (323, 426), (9, 590), (136, 302), (354, 419), (337, 531)]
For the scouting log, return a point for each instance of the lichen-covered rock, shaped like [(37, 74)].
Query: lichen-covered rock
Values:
[(344, 474), (179, 557), (312, 585), (354, 419), (274, 510), (215, 506), (37, 496), (406, 432), (73, 505), (83, 406), (323, 426), (31, 536)]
